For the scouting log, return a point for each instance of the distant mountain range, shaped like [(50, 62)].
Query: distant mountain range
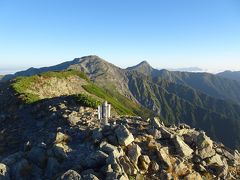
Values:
[(188, 69), (202, 100), (234, 75)]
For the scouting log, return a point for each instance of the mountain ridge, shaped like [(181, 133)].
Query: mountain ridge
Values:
[(192, 98)]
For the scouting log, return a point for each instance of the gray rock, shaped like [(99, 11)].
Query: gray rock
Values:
[(70, 175), (111, 150), (21, 170), (4, 172), (134, 152), (96, 159), (97, 135), (59, 152), (52, 168), (124, 136), (10, 160), (38, 156), (155, 122), (107, 148), (218, 165), (164, 157), (181, 147), (127, 166), (166, 133), (155, 133), (204, 146)]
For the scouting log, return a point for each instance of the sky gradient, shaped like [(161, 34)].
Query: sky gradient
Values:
[(166, 33)]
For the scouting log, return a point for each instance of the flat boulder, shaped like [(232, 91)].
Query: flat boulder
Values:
[(181, 147), (124, 136)]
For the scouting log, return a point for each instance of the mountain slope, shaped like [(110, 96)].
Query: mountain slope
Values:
[(209, 84), (233, 75), (47, 85), (176, 107), (200, 99)]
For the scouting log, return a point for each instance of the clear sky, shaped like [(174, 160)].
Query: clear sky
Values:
[(166, 33)]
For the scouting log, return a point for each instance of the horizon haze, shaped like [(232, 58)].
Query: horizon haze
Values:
[(167, 34)]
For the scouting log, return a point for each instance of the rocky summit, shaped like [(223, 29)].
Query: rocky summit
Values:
[(88, 119), (66, 141)]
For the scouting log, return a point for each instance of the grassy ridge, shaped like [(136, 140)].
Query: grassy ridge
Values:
[(121, 104), (22, 84), (114, 100)]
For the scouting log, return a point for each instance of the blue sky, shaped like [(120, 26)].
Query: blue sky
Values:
[(166, 33)]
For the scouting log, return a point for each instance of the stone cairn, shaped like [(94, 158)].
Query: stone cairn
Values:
[(104, 112)]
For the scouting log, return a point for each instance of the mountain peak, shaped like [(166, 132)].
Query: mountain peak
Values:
[(144, 65)]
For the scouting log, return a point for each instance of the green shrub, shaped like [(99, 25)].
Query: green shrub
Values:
[(87, 100)]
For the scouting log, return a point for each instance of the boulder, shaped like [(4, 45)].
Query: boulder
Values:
[(70, 175), (127, 166), (97, 135), (204, 146), (154, 167), (166, 133), (38, 156), (181, 147), (10, 160), (181, 169), (61, 138), (52, 168), (216, 159), (134, 152), (96, 159), (124, 136), (4, 172), (155, 133), (110, 149), (156, 123), (144, 162), (21, 169), (218, 166), (60, 151), (115, 165), (164, 157)]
